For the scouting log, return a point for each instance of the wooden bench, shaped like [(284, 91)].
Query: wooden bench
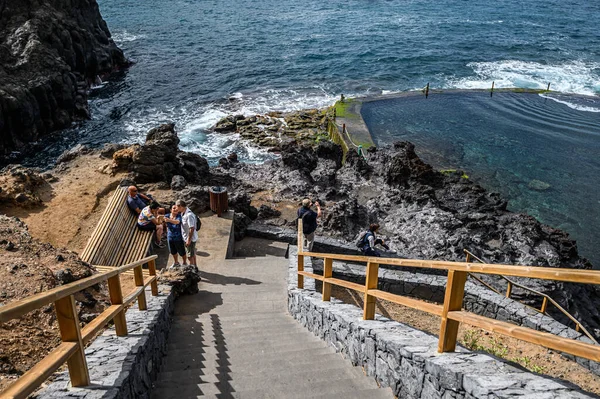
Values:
[(116, 240)]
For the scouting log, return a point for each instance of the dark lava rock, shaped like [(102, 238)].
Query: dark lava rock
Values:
[(196, 198), (228, 124), (424, 214), (240, 225), (240, 202), (159, 159), (50, 52), (193, 167), (64, 276), (73, 153), (178, 183), (266, 212), (184, 279), (109, 149)]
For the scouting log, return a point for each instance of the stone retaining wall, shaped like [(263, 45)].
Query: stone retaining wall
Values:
[(478, 299), (406, 359), (124, 367)]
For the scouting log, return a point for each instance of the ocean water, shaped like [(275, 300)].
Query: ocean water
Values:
[(199, 60)]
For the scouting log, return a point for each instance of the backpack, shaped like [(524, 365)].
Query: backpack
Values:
[(362, 239), (198, 223)]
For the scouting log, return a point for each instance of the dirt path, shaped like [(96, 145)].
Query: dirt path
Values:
[(72, 205)]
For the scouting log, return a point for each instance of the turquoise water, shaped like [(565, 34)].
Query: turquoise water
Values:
[(540, 151)]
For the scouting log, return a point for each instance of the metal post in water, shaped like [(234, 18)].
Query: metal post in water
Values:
[(548, 89), (492, 92), (427, 90)]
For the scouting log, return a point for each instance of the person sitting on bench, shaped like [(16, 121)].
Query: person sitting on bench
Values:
[(137, 201), (150, 220)]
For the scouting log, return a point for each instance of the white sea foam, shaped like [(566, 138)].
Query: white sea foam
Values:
[(194, 120), (124, 37), (576, 77), (573, 105)]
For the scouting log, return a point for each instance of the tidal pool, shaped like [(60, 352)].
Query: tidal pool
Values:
[(540, 151)]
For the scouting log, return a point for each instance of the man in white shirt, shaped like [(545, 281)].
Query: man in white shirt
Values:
[(189, 230)]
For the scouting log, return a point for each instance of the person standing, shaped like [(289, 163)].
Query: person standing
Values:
[(189, 230), (174, 236), (309, 222)]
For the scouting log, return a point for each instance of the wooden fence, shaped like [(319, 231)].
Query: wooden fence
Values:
[(450, 311), (74, 338)]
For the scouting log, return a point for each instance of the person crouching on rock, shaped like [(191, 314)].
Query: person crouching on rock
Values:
[(368, 240), (174, 237), (309, 223), (150, 220)]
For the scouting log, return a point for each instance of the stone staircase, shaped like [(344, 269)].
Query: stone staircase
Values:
[(235, 340)]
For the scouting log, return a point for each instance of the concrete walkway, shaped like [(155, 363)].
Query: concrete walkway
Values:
[(235, 339)]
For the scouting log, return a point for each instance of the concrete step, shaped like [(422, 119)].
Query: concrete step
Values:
[(240, 328), (319, 370), (257, 367), (235, 320), (247, 357), (334, 387), (248, 346), (199, 339)]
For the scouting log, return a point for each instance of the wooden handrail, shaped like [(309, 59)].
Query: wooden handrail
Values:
[(450, 311), (73, 337), (546, 297), (17, 309), (543, 273)]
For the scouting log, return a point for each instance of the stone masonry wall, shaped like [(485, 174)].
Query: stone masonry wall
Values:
[(478, 299), (406, 359), (124, 367)]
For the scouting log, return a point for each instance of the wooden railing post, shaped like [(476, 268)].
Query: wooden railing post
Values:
[(300, 237), (300, 269), (327, 273), (152, 272), (370, 284), (138, 276), (455, 289), (300, 254), (508, 289), (68, 323), (544, 305), (116, 298)]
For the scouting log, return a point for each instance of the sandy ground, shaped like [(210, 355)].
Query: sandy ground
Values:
[(533, 357), (72, 205)]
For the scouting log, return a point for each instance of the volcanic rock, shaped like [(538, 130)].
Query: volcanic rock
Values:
[(50, 52), (183, 278), (22, 186), (424, 214), (178, 183)]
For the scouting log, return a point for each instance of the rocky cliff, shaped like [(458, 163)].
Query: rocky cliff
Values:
[(50, 52)]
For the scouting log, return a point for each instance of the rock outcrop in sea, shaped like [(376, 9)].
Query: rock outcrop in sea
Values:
[(51, 51)]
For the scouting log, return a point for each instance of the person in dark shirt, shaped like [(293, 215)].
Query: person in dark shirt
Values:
[(174, 236), (369, 240), (309, 222), (137, 201)]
